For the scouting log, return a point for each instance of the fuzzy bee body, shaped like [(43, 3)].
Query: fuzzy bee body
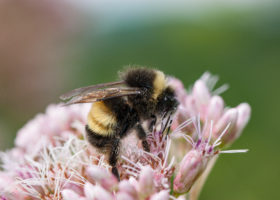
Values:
[(116, 110), (107, 122), (101, 119)]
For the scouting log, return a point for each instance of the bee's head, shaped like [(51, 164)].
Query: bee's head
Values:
[(166, 101)]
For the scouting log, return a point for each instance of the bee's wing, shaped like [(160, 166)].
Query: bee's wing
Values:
[(88, 89), (102, 94)]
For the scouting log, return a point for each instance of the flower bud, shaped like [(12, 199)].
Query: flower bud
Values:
[(179, 88), (146, 182), (97, 192), (215, 108), (201, 93), (181, 116), (126, 187), (244, 113), (4, 181), (70, 195), (176, 83), (7, 187), (228, 121), (124, 196), (103, 177), (191, 105), (190, 168), (162, 195)]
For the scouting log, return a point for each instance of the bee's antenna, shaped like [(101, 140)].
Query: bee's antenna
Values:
[(162, 120), (169, 126), (165, 114), (167, 123)]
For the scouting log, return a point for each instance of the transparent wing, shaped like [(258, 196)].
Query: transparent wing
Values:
[(102, 94), (88, 89)]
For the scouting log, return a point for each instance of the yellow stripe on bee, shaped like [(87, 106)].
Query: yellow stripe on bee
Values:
[(101, 120), (159, 84)]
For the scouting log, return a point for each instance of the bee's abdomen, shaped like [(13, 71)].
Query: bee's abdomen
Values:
[(101, 119), (97, 140)]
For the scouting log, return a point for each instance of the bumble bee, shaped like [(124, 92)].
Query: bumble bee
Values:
[(117, 107)]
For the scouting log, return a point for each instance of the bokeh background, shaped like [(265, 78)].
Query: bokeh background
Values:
[(48, 47)]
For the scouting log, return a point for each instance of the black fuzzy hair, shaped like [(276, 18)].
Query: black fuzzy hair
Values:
[(139, 77), (142, 78), (167, 101)]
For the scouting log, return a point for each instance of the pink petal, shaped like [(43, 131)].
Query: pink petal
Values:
[(215, 108), (190, 168), (146, 182), (126, 187), (70, 195), (162, 195), (103, 177), (124, 196), (201, 93), (244, 114), (97, 192), (229, 117)]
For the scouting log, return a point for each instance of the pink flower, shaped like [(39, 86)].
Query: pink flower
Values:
[(204, 102), (102, 177), (195, 161), (52, 160), (44, 128)]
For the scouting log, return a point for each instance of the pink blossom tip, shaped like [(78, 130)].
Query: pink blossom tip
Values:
[(226, 125), (162, 195), (146, 182), (215, 108), (244, 114), (190, 168), (101, 176), (201, 93)]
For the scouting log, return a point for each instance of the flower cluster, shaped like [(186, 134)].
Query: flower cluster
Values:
[(202, 100), (52, 160)]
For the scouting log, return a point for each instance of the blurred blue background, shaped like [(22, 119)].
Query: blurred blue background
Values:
[(48, 47)]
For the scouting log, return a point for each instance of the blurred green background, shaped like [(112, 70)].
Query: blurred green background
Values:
[(48, 47)]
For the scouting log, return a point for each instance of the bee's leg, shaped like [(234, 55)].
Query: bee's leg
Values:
[(142, 136), (152, 123), (113, 157)]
